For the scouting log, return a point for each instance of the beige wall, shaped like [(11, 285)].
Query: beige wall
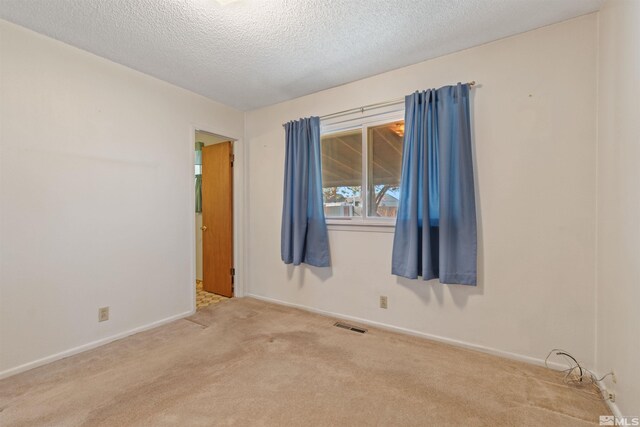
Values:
[(618, 313), (86, 222), (534, 114)]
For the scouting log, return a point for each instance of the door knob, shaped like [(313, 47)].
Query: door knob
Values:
[(203, 228)]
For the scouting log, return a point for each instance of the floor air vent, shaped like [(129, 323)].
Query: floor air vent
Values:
[(349, 327)]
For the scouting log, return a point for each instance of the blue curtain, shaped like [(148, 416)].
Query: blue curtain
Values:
[(435, 235), (304, 236)]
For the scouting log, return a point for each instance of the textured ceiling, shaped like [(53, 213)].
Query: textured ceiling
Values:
[(252, 53)]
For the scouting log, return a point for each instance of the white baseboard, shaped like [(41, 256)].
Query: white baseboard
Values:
[(509, 355), (612, 405), (457, 343), (79, 349)]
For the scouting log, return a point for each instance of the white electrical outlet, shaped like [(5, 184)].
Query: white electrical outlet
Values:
[(611, 396), (383, 301), (103, 314)]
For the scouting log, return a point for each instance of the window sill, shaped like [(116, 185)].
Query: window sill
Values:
[(361, 226)]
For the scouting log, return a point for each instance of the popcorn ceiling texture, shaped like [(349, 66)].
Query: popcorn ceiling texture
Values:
[(253, 53)]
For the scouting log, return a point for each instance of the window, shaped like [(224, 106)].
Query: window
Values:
[(363, 156), (342, 173)]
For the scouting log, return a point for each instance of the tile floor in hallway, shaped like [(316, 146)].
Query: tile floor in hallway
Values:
[(204, 298)]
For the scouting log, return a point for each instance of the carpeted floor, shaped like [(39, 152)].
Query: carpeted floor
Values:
[(245, 362)]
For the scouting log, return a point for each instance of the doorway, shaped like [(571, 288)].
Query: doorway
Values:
[(214, 218)]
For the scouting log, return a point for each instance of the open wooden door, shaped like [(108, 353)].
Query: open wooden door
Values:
[(217, 218)]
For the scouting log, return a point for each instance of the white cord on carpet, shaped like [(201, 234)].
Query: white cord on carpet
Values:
[(577, 376)]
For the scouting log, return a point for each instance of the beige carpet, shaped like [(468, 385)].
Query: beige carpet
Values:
[(245, 362)]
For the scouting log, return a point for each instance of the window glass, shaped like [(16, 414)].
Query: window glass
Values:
[(384, 158), (342, 173)]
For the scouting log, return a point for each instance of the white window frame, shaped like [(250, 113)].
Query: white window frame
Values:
[(362, 123)]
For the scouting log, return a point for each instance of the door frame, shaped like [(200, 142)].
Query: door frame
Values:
[(238, 208)]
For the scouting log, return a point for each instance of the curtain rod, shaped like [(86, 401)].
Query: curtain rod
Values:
[(371, 106)]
